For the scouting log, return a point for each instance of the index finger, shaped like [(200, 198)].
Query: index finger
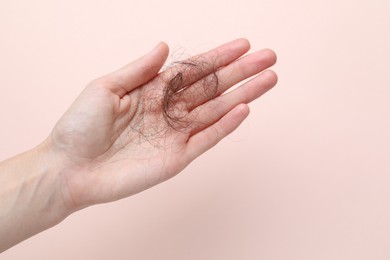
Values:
[(199, 66)]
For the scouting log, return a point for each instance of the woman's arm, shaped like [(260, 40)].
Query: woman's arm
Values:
[(31, 198), (128, 131)]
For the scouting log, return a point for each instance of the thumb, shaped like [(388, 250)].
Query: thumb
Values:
[(141, 70)]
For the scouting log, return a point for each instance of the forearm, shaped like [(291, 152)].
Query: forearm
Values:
[(30, 196)]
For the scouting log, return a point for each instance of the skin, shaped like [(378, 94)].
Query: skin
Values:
[(113, 141)]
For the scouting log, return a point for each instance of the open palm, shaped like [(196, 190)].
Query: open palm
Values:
[(127, 132)]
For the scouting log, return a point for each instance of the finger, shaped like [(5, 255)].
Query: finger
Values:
[(245, 68), (212, 111), (209, 137), (139, 71), (201, 65), (225, 78)]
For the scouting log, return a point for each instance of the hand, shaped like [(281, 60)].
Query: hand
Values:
[(127, 131)]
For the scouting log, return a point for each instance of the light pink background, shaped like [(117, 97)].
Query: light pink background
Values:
[(307, 176)]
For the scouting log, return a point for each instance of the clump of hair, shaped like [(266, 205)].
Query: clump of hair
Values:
[(190, 80)]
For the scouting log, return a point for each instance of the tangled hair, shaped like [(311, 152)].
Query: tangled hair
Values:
[(178, 90), (189, 82)]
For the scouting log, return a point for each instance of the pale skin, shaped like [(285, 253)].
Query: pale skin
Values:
[(113, 141)]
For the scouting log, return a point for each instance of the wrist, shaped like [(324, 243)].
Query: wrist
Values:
[(50, 169), (57, 170)]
